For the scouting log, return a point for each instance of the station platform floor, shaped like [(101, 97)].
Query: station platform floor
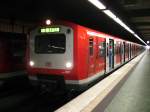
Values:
[(134, 95)]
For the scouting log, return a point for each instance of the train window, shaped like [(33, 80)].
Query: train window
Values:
[(91, 46), (102, 49), (50, 43)]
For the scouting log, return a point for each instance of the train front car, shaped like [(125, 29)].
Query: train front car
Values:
[(51, 55)]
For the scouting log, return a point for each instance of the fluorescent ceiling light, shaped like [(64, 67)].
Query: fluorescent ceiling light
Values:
[(98, 4), (110, 14), (101, 6), (139, 38), (116, 19), (123, 25), (120, 22)]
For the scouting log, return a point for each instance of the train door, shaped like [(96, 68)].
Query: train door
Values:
[(111, 54), (117, 54), (120, 45), (91, 59), (100, 55), (107, 55), (123, 52), (126, 51), (129, 50)]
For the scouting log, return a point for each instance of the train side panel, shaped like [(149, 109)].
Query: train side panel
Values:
[(12, 54), (90, 56), (82, 53), (6, 64)]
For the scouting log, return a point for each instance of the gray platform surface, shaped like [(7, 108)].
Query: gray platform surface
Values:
[(134, 95)]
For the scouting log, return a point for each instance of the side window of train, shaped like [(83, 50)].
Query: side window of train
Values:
[(91, 46), (102, 46)]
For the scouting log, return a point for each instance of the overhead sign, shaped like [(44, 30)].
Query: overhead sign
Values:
[(50, 30)]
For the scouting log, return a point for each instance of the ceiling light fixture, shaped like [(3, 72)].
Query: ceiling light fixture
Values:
[(102, 7), (98, 4), (110, 14)]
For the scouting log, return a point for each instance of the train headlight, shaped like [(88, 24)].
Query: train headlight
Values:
[(31, 63), (48, 22), (68, 65)]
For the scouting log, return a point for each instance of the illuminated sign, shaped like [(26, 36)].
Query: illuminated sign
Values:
[(50, 30)]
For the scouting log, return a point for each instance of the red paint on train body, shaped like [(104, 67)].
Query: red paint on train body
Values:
[(12, 53)]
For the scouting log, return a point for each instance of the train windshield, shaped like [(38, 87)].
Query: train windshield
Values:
[(50, 44)]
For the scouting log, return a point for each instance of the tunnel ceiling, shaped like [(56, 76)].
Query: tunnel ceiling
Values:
[(135, 13)]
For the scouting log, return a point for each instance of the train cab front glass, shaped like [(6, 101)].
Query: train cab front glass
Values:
[(50, 43)]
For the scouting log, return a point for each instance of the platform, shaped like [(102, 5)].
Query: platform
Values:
[(98, 97), (134, 95)]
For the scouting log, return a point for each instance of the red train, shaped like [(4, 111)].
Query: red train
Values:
[(73, 54), (12, 55)]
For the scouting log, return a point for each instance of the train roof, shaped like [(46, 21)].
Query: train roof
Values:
[(75, 25)]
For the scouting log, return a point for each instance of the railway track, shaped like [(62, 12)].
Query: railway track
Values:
[(26, 99)]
